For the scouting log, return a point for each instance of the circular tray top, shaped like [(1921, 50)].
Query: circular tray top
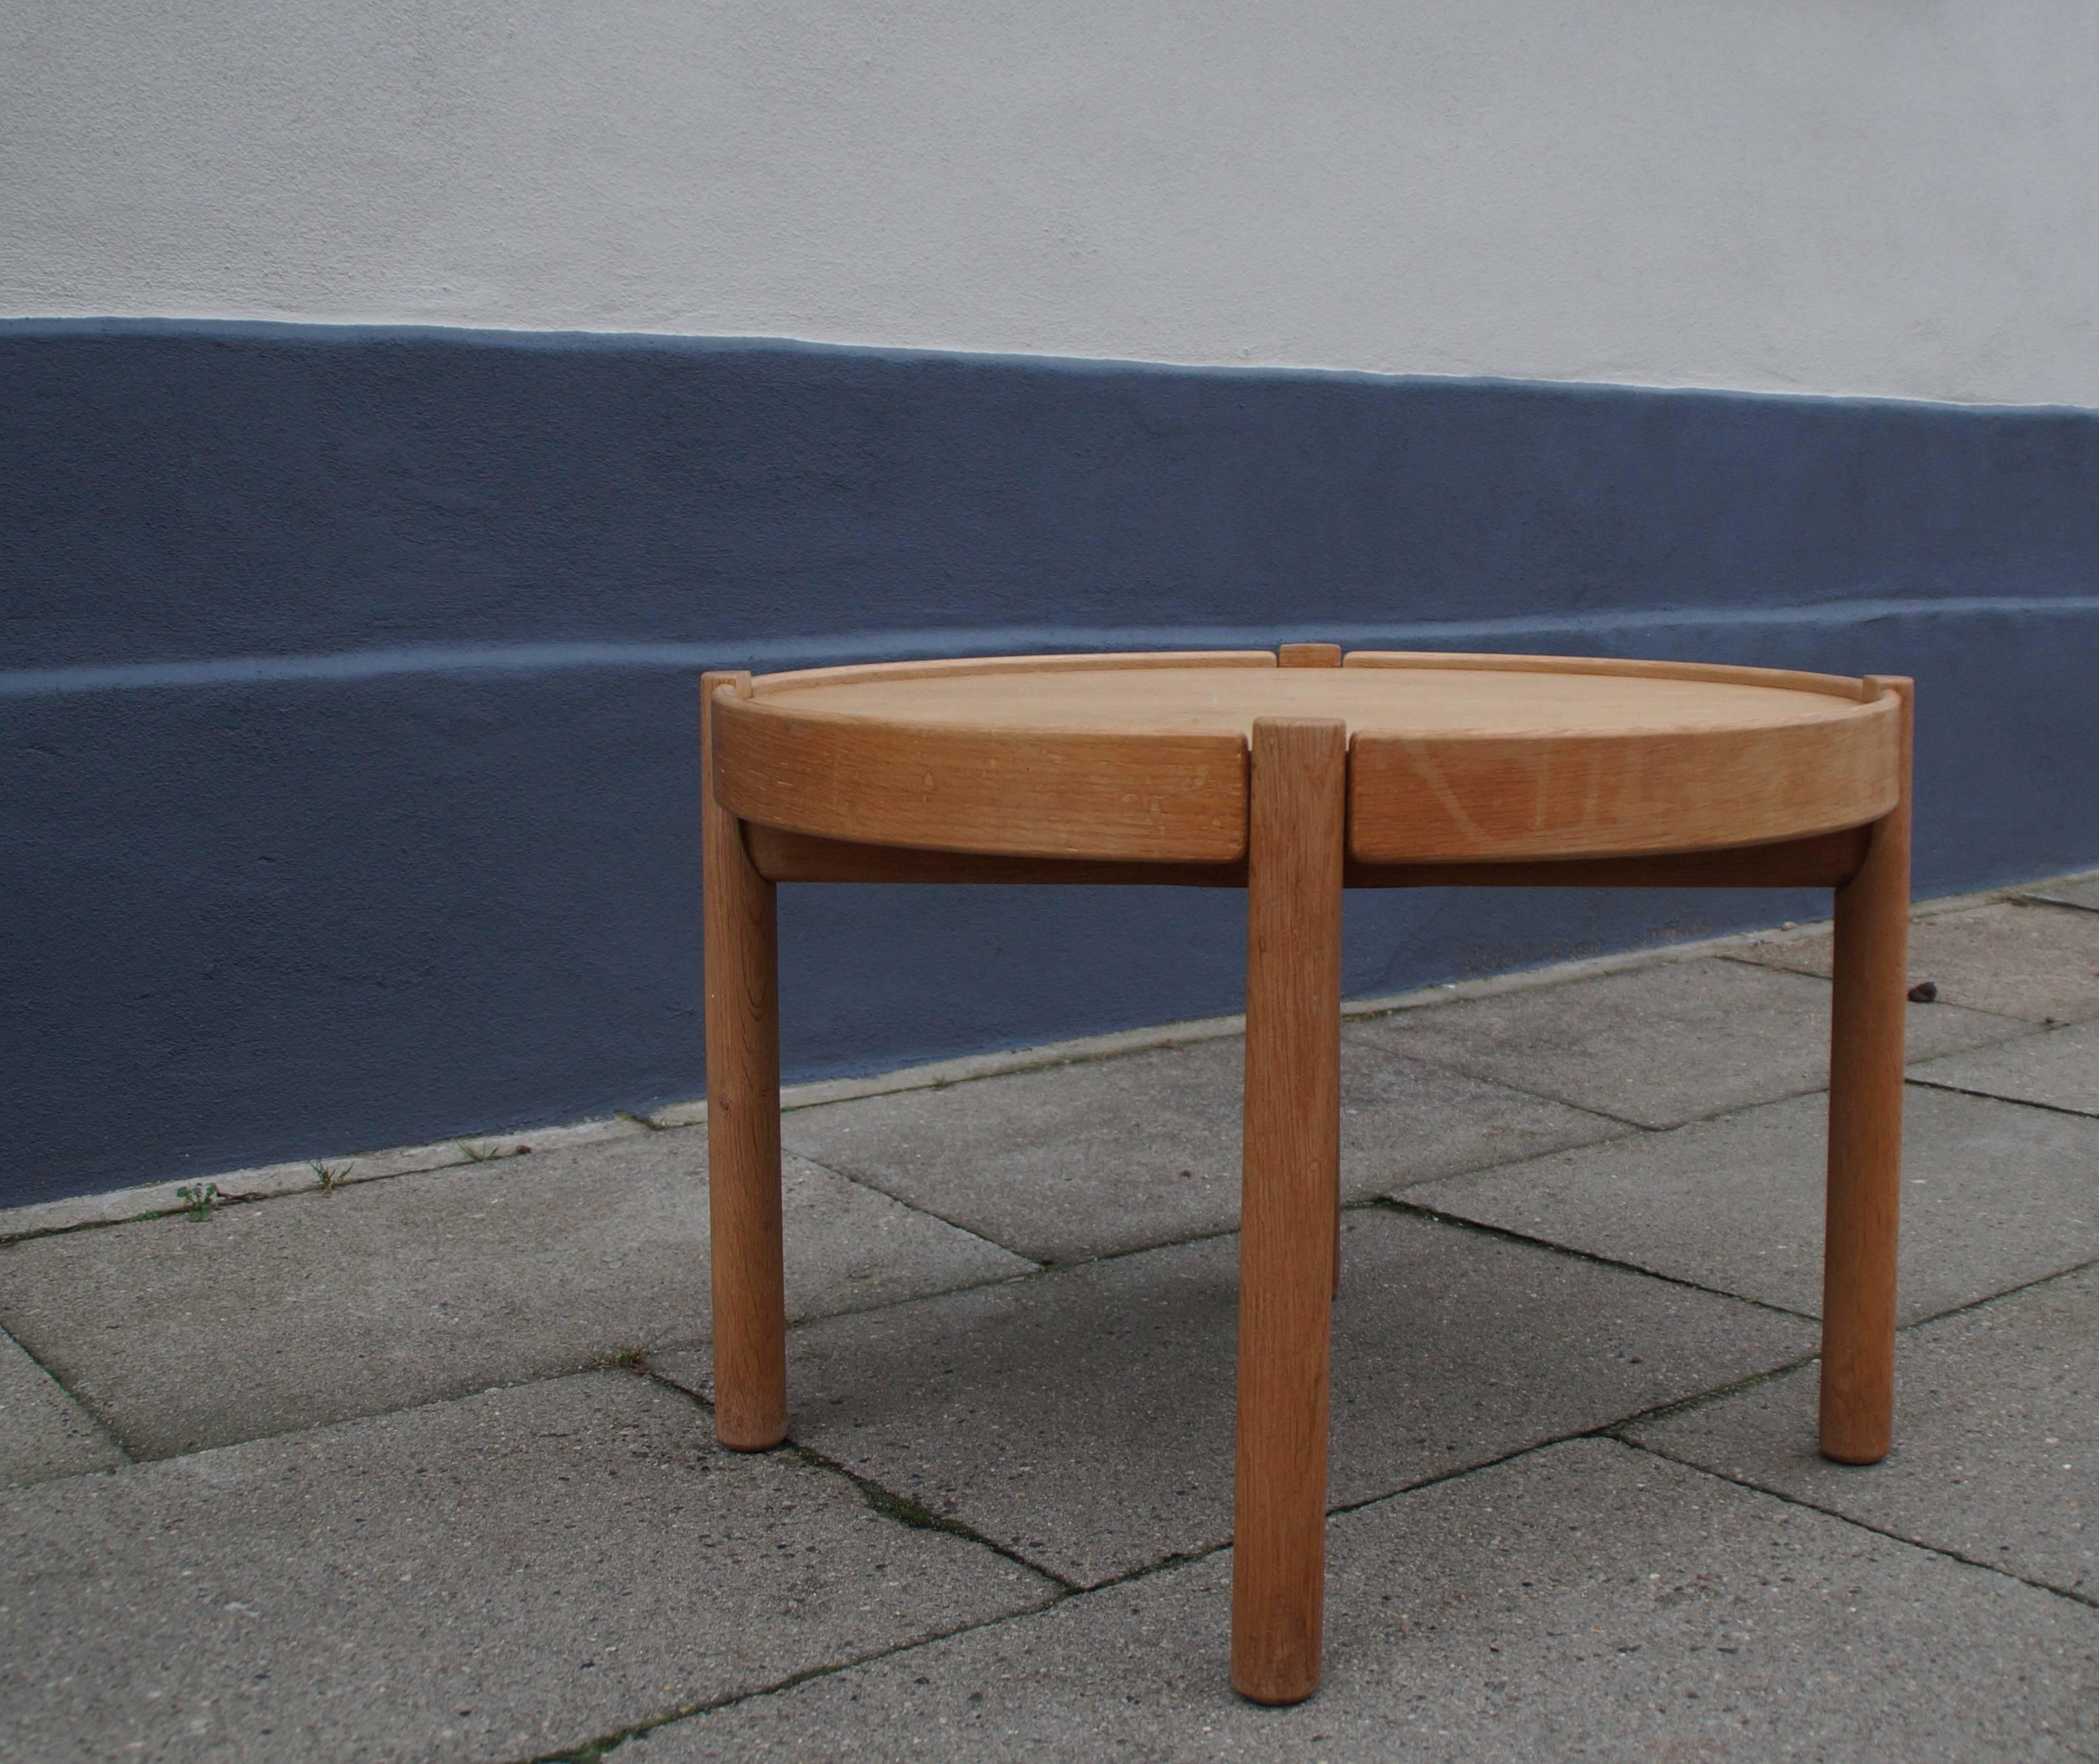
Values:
[(1451, 757), (1221, 701)]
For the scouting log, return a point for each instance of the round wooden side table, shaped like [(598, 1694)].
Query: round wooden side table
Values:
[(1294, 775)]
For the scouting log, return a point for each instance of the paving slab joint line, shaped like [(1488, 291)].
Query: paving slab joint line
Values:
[(95, 1419), (1422, 1210), (1719, 1114), (219, 1203), (927, 1212), (2067, 906), (1604, 1429), (1607, 1430), (604, 1744), (1945, 1551), (1992, 1297), (104, 1425), (1205, 1236), (1037, 1267), (900, 1508), (1949, 1089), (2014, 892), (905, 1510), (1500, 1083), (1680, 1406), (633, 1360), (1181, 1557), (1683, 1405)]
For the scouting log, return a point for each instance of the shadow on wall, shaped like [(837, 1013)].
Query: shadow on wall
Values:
[(351, 692)]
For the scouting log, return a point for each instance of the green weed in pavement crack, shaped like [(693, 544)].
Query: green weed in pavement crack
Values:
[(488, 1154), (198, 1198)]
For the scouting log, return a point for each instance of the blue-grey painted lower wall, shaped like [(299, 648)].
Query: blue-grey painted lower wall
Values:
[(348, 688)]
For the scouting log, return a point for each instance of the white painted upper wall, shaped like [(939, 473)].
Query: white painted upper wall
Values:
[(1888, 196)]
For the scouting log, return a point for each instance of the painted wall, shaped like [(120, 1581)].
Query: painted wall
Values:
[(1894, 198), (347, 768), (350, 782)]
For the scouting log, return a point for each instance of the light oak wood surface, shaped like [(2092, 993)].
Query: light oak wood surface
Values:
[(1290, 1202), (1451, 759), (746, 1261), (1390, 695), (1865, 1193), (1295, 775)]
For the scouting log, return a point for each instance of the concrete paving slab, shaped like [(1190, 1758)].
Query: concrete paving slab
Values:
[(1994, 1195), (1996, 1454), (1580, 1603), (1108, 1155), (494, 1578), (182, 1333), (1662, 1045), (2058, 1068), (2039, 964), (43, 1432), (1084, 1418)]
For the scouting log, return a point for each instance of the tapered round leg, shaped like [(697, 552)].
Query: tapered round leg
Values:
[(743, 1123), (1865, 1138), (1289, 1192)]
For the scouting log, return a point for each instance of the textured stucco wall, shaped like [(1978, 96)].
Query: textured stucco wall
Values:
[(1894, 198)]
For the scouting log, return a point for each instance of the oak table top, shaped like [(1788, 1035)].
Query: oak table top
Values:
[(1451, 758)]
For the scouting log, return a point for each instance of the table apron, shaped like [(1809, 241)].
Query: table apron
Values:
[(1824, 860)]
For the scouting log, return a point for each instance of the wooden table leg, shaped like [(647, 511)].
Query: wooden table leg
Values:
[(1293, 1047), (1320, 655), (743, 1121), (1865, 1137)]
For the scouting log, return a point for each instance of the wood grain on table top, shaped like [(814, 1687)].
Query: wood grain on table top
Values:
[(1217, 696)]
